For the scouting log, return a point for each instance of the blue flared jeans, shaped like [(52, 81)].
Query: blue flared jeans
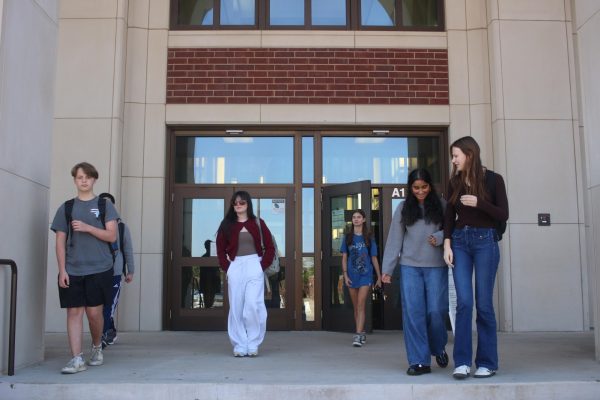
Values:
[(475, 249), (424, 308)]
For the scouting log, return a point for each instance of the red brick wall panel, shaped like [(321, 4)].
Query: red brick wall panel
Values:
[(307, 76)]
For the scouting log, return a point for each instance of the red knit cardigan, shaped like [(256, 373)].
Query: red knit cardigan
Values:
[(227, 246)]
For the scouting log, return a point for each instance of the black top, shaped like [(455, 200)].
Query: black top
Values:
[(484, 215)]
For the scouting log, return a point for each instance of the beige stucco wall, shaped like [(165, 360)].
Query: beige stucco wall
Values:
[(27, 62), (512, 87)]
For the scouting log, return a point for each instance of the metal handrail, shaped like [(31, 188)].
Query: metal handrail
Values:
[(13, 314)]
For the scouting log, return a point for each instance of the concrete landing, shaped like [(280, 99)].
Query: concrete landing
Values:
[(305, 365)]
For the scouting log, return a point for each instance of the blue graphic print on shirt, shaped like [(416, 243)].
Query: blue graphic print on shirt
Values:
[(360, 267)]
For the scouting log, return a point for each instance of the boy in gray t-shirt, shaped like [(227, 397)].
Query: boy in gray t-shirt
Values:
[(85, 263)]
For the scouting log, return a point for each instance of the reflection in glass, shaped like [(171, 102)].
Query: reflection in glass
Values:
[(395, 202), (330, 12), (272, 211), (308, 288), (340, 297), (420, 13), (275, 290), (381, 160), (195, 12), (225, 160), (201, 287), (308, 159), (201, 219), (378, 12), (237, 12), (286, 12), (308, 220), (341, 218)]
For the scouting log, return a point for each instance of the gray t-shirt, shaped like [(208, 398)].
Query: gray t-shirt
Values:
[(86, 254)]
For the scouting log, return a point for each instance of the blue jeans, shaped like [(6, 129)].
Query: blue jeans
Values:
[(475, 248), (424, 307)]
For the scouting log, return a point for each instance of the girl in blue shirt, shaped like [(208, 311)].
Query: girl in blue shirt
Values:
[(359, 257)]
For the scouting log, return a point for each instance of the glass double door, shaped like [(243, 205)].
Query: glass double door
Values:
[(383, 308), (198, 286)]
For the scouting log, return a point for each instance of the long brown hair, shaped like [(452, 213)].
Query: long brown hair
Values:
[(366, 233), (473, 171)]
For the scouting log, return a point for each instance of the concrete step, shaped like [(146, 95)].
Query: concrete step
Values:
[(305, 365)]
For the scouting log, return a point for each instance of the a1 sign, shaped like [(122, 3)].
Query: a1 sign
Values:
[(398, 192)]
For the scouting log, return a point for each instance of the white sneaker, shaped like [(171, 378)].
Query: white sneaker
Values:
[(253, 353), (96, 358), (483, 372), (74, 366), (238, 354), (461, 372)]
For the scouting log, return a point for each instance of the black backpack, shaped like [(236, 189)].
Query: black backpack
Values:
[(114, 247), (490, 183)]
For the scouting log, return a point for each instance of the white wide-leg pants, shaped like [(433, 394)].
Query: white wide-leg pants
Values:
[(247, 321)]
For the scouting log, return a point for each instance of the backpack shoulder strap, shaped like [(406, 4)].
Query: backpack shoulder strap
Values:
[(69, 210), (69, 214), (122, 245), (490, 183), (262, 244), (102, 210)]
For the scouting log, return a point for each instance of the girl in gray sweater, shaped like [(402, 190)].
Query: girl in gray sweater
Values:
[(415, 241)]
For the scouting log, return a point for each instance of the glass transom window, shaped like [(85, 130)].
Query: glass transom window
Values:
[(383, 160), (308, 14), (231, 160)]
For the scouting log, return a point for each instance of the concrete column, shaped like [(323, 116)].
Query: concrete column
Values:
[(89, 108), (535, 147), (27, 62), (144, 154), (586, 30)]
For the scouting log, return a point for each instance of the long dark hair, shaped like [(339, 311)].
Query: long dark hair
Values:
[(473, 171), (231, 216), (366, 232), (433, 210)]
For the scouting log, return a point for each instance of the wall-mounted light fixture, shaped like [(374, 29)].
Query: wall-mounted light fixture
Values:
[(234, 131), (380, 132)]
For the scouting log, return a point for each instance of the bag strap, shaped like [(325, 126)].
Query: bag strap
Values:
[(122, 245), (69, 215), (262, 243), (491, 184)]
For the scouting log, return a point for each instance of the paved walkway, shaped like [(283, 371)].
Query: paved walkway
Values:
[(303, 365)]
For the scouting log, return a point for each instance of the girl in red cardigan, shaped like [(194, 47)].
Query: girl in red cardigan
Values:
[(243, 259)]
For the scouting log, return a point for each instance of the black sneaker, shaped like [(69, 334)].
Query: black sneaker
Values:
[(356, 342), (418, 369), (363, 338), (442, 359), (110, 336)]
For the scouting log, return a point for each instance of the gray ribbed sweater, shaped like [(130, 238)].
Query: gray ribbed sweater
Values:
[(409, 244)]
